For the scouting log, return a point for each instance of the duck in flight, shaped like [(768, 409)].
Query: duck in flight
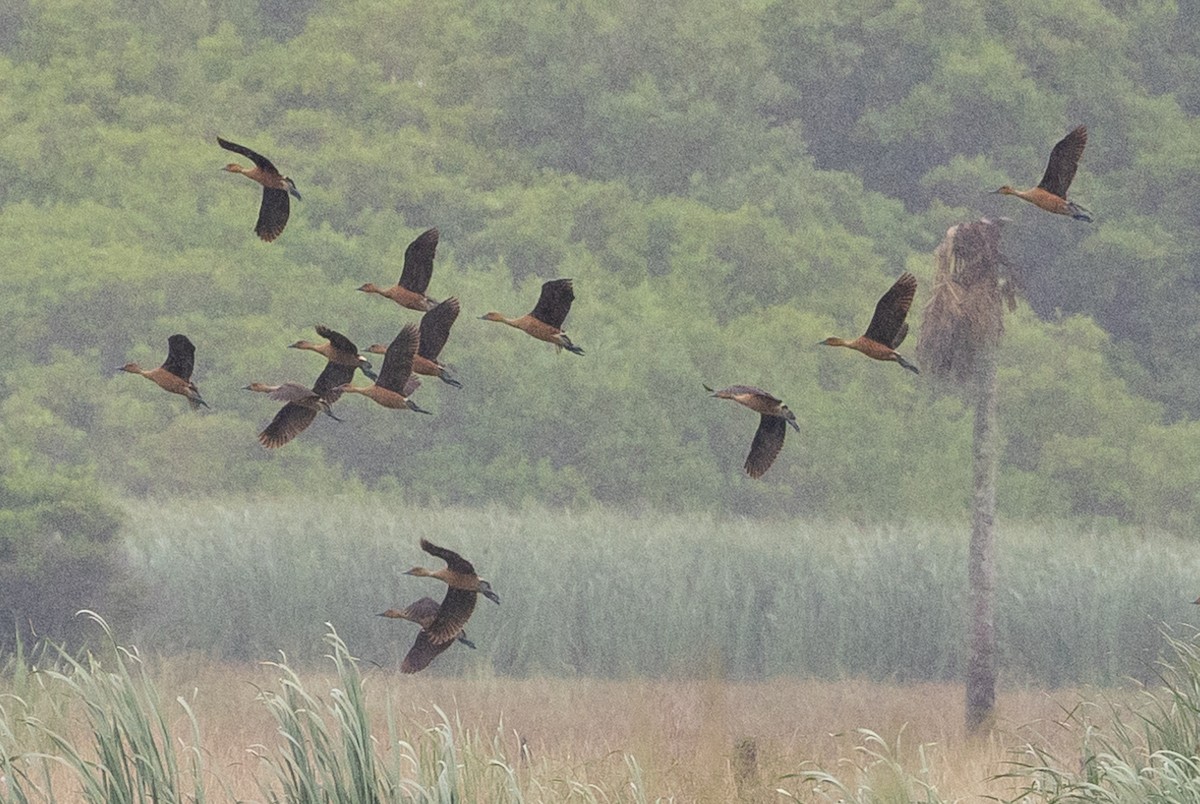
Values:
[(275, 208)]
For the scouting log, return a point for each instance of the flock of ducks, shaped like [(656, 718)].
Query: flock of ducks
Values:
[(415, 350)]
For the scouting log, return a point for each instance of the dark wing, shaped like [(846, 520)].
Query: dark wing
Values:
[(258, 159), (768, 440), (554, 303), (748, 389), (422, 612), (332, 376), (418, 261), (337, 340), (1063, 161), (423, 651), (452, 616), (292, 392), (435, 328), (397, 362), (289, 422), (181, 356), (892, 309), (273, 214), (453, 560)]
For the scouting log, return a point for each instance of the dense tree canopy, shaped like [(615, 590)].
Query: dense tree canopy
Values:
[(726, 183)]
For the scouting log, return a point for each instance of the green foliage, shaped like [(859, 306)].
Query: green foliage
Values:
[(726, 184)]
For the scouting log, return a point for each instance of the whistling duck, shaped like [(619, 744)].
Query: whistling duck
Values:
[(273, 214), (303, 404), (338, 349), (414, 277), (546, 320), (435, 329), (396, 382), (888, 328), (1051, 192), (175, 374), (423, 612), (464, 585), (772, 425)]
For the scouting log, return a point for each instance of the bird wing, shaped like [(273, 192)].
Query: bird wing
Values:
[(900, 336), (422, 612), (181, 357), (555, 302), (423, 651), (452, 616), (891, 310), (435, 328), (272, 214), (292, 392), (748, 389), (258, 159), (418, 261), (397, 362), (1063, 160), (289, 422), (768, 441), (337, 340), (332, 376), (453, 560)]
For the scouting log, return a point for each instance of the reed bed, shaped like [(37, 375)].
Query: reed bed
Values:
[(619, 595)]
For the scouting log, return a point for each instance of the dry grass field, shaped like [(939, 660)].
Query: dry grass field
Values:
[(707, 741)]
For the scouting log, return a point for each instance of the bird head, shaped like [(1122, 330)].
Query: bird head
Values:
[(832, 342), (492, 317), (1005, 190), (233, 167), (132, 368)]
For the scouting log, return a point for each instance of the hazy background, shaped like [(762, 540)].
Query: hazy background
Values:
[(727, 184)]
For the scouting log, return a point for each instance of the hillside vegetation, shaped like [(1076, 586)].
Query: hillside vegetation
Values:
[(726, 183)]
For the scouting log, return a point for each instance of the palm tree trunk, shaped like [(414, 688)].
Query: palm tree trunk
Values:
[(981, 562)]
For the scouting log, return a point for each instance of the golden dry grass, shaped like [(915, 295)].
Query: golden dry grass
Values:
[(683, 735)]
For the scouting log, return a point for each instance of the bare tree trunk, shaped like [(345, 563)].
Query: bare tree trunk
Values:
[(981, 562)]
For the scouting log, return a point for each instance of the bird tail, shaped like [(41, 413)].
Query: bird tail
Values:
[(1078, 212), (907, 365), (446, 378), (366, 369), (196, 402), (463, 639), (414, 407)]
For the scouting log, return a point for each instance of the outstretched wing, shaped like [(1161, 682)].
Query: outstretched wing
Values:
[(891, 310), (768, 441), (331, 377), (337, 340), (555, 302), (258, 159), (423, 651), (435, 328), (291, 420), (1064, 159), (418, 261), (452, 616), (181, 356), (272, 214), (453, 560), (397, 362)]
